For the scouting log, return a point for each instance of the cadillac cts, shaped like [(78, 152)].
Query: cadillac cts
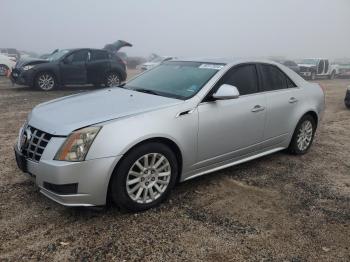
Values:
[(180, 120)]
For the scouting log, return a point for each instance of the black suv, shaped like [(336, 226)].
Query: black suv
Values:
[(71, 66)]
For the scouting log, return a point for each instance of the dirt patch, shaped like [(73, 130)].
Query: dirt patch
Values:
[(276, 208)]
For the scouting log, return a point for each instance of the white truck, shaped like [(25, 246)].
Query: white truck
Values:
[(312, 68)]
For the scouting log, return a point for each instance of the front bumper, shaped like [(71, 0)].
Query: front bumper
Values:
[(21, 77), (305, 74), (91, 179)]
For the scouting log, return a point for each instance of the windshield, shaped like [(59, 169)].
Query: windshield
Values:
[(57, 55), (309, 61), (180, 80)]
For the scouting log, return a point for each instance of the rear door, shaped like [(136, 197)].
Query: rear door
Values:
[(73, 67), (282, 96), (97, 66), (232, 128)]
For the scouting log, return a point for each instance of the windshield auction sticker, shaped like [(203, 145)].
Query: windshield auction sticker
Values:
[(211, 66)]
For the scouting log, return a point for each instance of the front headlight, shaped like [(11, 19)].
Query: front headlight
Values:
[(77, 144), (27, 67)]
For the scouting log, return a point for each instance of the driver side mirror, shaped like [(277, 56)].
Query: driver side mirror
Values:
[(225, 92)]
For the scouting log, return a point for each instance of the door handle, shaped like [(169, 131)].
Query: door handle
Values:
[(293, 100), (258, 108)]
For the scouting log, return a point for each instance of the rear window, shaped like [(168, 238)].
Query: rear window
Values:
[(274, 79)]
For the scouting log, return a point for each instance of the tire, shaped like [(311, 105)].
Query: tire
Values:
[(112, 79), (332, 75), (45, 81), (3, 70), (305, 128), (313, 76), (347, 104), (137, 195)]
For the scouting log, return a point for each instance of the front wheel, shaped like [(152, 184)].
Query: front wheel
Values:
[(45, 81), (112, 79), (144, 177), (303, 135)]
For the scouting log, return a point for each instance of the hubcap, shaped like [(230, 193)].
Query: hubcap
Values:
[(305, 135), (46, 81), (113, 80), (148, 178)]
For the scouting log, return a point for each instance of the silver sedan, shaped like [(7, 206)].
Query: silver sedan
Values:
[(177, 121)]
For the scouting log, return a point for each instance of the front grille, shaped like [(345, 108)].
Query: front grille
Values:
[(34, 147), (304, 69)]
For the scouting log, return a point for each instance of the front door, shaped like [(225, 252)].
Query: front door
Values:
[(232, 128), (73, 68)]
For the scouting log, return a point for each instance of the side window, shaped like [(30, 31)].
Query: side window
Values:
[(274, 79), (78, 57), (99, 55), (244, 78)]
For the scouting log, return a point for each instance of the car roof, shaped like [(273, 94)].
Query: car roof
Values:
[(235, 61), (84, 48), (226, 61)]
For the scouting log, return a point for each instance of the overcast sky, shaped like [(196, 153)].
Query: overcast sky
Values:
[(215, 28)]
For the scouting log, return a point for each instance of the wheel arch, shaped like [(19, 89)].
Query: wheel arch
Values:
[(117, 71), (313, 114), (46, 71), (164, 140)]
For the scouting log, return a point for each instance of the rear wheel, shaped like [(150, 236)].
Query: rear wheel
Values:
[(45, 81), (313, 76), (332, 75), (112, 79), (144, 177), (303, 135), (3, 70)]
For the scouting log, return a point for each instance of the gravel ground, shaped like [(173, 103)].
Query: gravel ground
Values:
[(277, 208)]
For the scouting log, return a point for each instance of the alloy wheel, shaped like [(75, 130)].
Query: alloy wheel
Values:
[(305, 135), (46, 82), (113, 80), (148, 178)]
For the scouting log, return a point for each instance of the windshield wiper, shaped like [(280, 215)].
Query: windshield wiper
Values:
[(148, 91)]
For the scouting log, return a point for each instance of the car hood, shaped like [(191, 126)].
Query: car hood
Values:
[(30, 61), (64, 115)]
